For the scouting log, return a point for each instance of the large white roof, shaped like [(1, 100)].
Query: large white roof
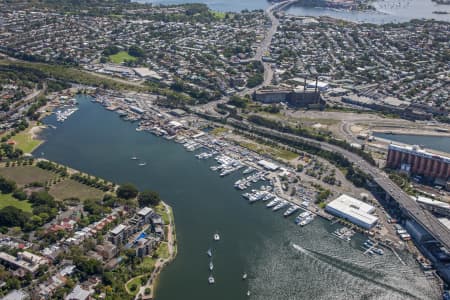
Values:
[(354, 208)]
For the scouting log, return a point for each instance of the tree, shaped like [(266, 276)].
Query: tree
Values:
[(7, 186), (127, 191), (20, 194), (148, 197), (12, 216), (136, 51), (88, 266), (42, 198), (111, 50), (238, 101)]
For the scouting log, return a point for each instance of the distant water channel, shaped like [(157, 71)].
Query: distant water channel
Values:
[(283, 261), (432, 142), (387, 10)]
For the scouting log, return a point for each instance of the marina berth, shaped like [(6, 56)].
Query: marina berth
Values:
[(61, 116), (273, 203), (291, 210), (280, 205)]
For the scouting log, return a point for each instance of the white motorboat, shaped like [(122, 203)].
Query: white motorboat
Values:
[(211, 279)]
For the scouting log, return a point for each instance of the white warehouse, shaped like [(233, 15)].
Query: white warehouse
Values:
[(353, 210)]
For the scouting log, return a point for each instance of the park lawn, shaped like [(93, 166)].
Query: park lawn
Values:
[(121, 57), (163, 251), (272, 151), (25, 142), (137, 282), (219, 130), (9, 200), (148, 263), (218, 14), (160, 209), (285, 154), (23, 175), (70, 188)]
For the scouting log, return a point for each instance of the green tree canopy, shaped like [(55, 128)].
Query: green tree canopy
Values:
[(11, 216), (127, 191), (7, 186), (136, 51), (149, 198)]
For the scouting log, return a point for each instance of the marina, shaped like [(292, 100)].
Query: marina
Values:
[(249, 241), (62, 115), (344, 233)]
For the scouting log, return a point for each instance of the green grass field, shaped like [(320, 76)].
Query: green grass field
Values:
[(136, 281), (163, 251), (219, 130), (120, 57), (159, 209), (26, 174), (25, 142), (9, 200), (218, 14), (272, 151), (70, 188)]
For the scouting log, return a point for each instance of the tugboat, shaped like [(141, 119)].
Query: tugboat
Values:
[(244, 276)]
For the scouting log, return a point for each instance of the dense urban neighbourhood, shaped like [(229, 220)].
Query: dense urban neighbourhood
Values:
[(208, 55), (407, 62), (65, 233), (187, 48)]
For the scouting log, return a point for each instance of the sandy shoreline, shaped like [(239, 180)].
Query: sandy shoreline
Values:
[(36, 130)]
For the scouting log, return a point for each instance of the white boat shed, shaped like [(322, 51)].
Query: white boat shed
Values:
[(353, 210)]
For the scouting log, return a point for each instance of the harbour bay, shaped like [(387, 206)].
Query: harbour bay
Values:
[(283, 261), (387, 11)]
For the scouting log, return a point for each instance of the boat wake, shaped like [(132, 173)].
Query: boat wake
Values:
[(353, 270)]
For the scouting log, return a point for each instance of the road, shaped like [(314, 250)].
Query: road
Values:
[(265, 45), (259, 53), (406, 203)]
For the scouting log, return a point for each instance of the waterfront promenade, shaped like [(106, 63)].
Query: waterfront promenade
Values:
[(161, 262)]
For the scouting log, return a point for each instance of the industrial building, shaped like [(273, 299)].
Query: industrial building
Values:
[(353, 210), (435, 206), (268, 165), (417, 161), (295, 97), (390, 105), (148, 74)]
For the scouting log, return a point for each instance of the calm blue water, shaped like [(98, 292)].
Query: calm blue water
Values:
[(253, 239), (432, 142), (388, 10)]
